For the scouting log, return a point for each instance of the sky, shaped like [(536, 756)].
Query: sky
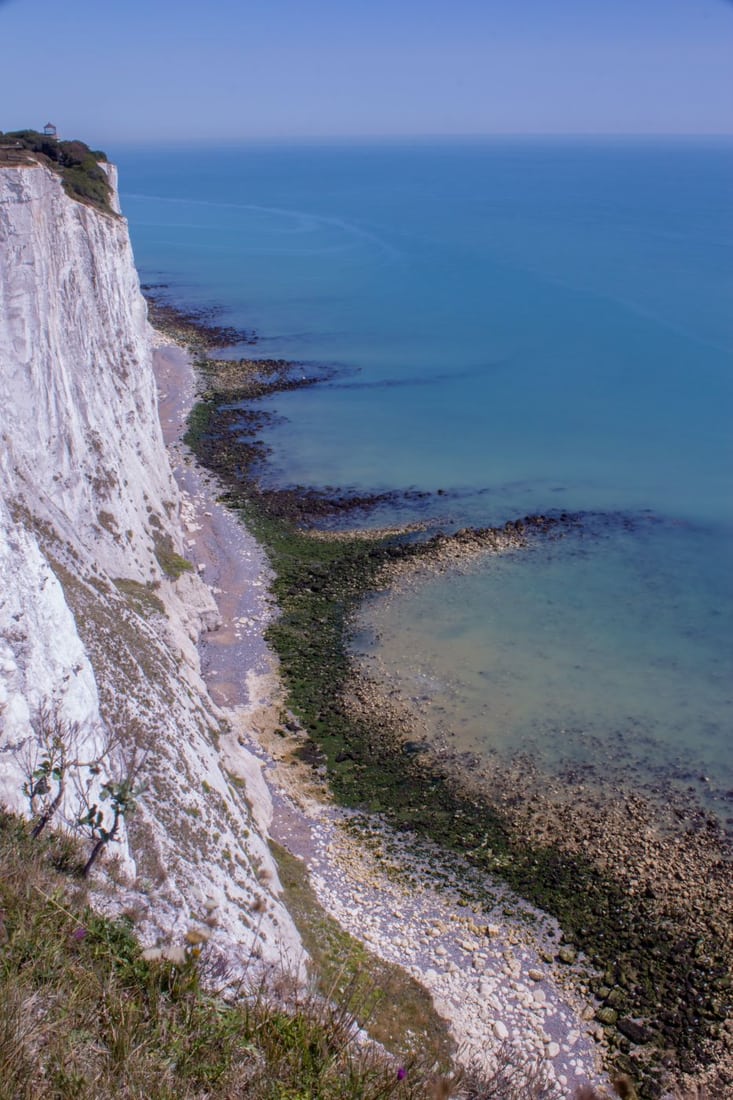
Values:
[(232, 70)]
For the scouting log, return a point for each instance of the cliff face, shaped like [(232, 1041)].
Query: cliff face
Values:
[(99, 612)]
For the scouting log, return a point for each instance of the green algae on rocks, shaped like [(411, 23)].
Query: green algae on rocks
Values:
[(665, 989)]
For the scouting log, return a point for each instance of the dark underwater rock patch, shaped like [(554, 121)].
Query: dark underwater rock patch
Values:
[(191, 326)]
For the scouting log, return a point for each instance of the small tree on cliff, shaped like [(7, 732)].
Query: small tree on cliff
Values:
[(49, 760), (122, 801), (45, 763), (102, 813)]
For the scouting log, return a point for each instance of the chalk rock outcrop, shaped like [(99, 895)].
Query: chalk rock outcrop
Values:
[(99, 611)]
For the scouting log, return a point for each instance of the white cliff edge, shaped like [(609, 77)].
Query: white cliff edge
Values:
[(99, 613)]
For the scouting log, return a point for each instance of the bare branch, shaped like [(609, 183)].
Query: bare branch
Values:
[(51, 757)]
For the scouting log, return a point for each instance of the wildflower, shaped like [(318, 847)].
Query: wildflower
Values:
[(78, 934), (174, 954), (196, 938), (401, 1073)]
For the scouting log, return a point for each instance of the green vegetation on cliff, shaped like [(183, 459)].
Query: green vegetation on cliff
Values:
[(85, 1015), (77, 164)]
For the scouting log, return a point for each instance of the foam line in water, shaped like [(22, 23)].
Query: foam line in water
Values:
[(308, 222)]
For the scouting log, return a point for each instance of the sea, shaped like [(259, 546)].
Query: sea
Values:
[(510, 326)]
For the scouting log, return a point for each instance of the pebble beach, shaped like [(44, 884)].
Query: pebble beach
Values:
[(489, 975)]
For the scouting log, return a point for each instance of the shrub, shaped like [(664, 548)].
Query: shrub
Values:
[(78, 166), (172, 564)]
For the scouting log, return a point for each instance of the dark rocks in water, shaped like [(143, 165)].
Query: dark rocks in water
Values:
[(196, 324), (309, 506), (607, 1016), (567, 955)]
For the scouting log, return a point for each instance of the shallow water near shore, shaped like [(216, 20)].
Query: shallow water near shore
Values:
[(598, 657), (529, 326)]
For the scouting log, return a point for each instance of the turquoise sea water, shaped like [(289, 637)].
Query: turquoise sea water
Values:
[(526, 325)]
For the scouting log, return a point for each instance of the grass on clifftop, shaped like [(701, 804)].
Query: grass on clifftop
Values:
[(84, 1016), (77, 164)]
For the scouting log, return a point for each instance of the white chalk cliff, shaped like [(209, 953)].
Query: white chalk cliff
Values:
[(97, 636)]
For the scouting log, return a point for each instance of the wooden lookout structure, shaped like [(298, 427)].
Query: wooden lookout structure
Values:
[(49, 130)]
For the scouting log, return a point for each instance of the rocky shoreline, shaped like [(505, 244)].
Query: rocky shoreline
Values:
[(491, 982), (647, 902)]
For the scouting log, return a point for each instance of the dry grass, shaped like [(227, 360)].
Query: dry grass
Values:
[(396, 1009), (85, 1016)]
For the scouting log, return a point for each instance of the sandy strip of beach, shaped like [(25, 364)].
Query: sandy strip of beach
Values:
[(490, 975)]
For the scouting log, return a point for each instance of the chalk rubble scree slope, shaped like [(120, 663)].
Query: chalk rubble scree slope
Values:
[(96, 630)]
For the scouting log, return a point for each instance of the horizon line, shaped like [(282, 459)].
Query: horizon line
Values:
[(610, 135)]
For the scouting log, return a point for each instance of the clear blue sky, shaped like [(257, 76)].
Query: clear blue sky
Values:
[(126, 70)]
